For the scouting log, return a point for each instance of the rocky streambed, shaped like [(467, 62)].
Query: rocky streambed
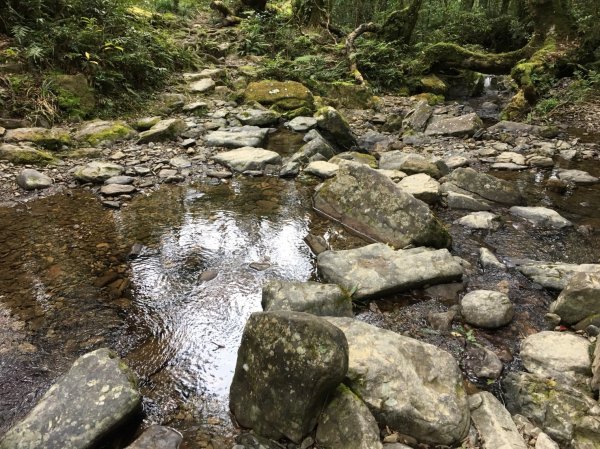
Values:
[(160, 239)]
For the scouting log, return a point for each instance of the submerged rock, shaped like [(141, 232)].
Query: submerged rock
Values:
[(309, 297), (30, 179), (371, 204), (91, 400), (494, 424), (377, 270), (579, 299), (409, 386), (247, 158), (347, 423), (288, 364)]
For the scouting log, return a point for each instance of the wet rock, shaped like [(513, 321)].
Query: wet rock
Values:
[(97, 172), (516, 128), (302, 124), (486, 186), (316, 243), (553, 275), (117, 189), (441, 321), (457, 198), (579, 299), (422, 187), (201, 86), (104, 132), (49, 138), (335, 128), (376, 270), (480, 220), (493, 422), (322, 169), (258, 117), (316, 146), (288, 364), (487, 259), (157, 437), (483, 363), (30, 179), (541, 216), (372, 204), (417, 119), (487, 309), (164, 130), (560, 355), (464, 125), (247, 158), (425, 399), (310, 297), (120, 180), (347, 423), (577, 176), (91, 400), (244, 136), (289, 97), (409, 163)]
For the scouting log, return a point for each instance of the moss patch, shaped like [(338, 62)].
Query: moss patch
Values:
[(280, 95), (97, 132), (73, 95), (25, 156)]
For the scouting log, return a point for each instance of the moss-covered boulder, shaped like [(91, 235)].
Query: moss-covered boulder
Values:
[(145, 123), (75, 97), (24, 155), (359, 158), (51, 139), (433, 84), (334, 127), (100, 132), (349, 95), (290, 98)]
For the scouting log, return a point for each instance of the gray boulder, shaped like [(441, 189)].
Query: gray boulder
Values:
[(541, 216), (309, 297), (322, 169), (201, 86), (117, 189), (164, 130), (377, 270), (243, 136), (577, 176), (288, 364), (417, 118), (97, 172), (422, 187), (486, 186), (509, 127), (480, 220), (335, 128), (258, 117), (409, 163), (371, 204), (30, 179), (157, 437), (494, 424), (347, 423), (408, 385), (247, 158), (464, 125), (316, 146), (302, 124), (559, 355), (553, 275), (579, 299), (457, 198), (96, 396), (487, 309)]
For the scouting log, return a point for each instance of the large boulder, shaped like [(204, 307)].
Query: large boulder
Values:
[(288, 364), (164, 130), (247, 158), (541, 216), (335, 128), (157, 437), (409, 163), (97, 172), (553, 275), (464, 125), (370, 203), (377, 270), (422, 187), (486, 186), (288, 97), (409, 386), (559, 355), (579, 299), (487, 309), (347, 423), (104, 132), (258, 117), (494, 424), (24, 155), (49, 138), (95, 397), (237, 137), (309, 297)]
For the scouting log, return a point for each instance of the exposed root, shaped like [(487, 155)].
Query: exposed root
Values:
[(351, 49), (229, 18)]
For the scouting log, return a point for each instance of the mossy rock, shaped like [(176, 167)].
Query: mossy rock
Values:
[(75, 97), (51, 139), (433, 84), (349, 95), (140, 13), (517, 108), (280, 95), (431, 99), (146, 123), (25, 155), (104, 132), (354, 156)]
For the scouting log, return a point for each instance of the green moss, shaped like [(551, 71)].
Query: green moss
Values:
[(517, 108), (348, 95), (434, 85), (73, 95), (118, 131), (283, 95), (430, 98), (26, 156)]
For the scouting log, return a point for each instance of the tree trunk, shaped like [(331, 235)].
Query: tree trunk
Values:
[(310, 13), (504, 6), (399, 25), (467, 5)]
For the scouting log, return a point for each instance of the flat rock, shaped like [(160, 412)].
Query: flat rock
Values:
[(243, 136), (258, 117), (373, 205), (100, 132), (95, 397), (164, 130), (288, 364), (30, 179), (464, 125), (310, 297), (507, 166), (577, 176), (322, 169), (157, 437), (120, 180), (541, 216), (560, 355), (201, 86), (117, 189), (347, 423), (486, 186), (302, 124), (494, 423), (424, 399), (422, 187), (409, 163), (457, 198), (247, 158), (49, 138), (97, 172), (555, 275), (377, 270), (354, 156), (180, 162), (486, 308), (517, 128), (579, 299), (480, 220)]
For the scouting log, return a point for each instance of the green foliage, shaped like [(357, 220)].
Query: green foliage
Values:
[(383, 63)]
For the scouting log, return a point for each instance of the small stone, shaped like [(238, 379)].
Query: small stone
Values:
[(120, 180), (188, 143), (117, 189), (180, 162), (111, 204), (316, 243), (487, 259), (201, 86), (302, 124), (208, 275), (30, 179), (480, 220), (487, 309), (260, 266), (441, 321)]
